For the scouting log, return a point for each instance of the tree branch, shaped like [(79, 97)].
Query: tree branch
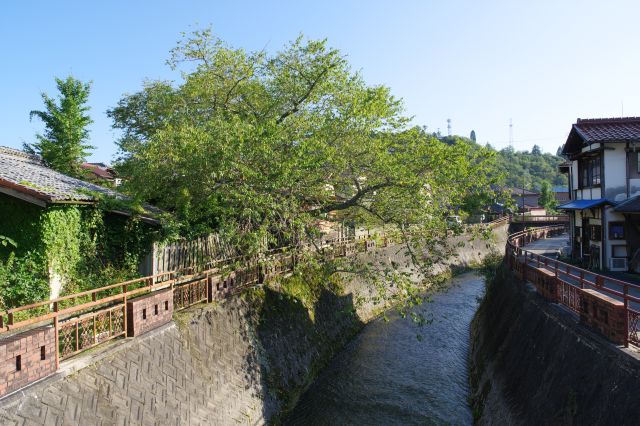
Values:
[(296, 104)]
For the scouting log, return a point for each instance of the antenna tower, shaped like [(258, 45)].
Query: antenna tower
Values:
[(449, 126), (510, 133)]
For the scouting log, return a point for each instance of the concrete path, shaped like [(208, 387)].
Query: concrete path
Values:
[(548, 245)]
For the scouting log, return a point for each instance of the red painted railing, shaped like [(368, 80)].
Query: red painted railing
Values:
[(572, 286), (545, 219)]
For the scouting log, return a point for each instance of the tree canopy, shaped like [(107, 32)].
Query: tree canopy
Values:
[(530, 168), (547, 198), (63, 146), (265, 144)]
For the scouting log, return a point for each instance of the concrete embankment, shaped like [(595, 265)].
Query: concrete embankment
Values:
[(532, 363), (242, 360)]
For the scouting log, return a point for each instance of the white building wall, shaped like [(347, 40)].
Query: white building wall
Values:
[(574, 176), (615, 172), (589, 194)]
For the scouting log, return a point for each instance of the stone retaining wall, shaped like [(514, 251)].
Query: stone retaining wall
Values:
[(241, 360), (533, 362)]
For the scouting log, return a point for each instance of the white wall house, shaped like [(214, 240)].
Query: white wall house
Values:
[(604, 189)]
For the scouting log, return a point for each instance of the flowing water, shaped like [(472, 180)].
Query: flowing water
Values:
[(387, 375)]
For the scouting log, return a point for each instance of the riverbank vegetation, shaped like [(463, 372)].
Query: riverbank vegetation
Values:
[(260, 147)]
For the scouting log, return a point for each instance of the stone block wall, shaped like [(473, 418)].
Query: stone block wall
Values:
[(237, 361), (148, 312), (25, 358), (533, 363)]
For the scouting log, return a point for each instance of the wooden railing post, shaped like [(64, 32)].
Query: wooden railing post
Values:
[(124, 314), (599, 280), (625, 290), (55, 334)]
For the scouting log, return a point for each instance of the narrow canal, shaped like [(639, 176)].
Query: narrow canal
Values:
[(386, 375)]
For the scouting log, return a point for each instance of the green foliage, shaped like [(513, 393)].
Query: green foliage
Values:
[(7, 242), (61, 229), (22, 280), (87, 246), (536, 150), (262, 146), (63, 145), (547, 198), (530, 169)]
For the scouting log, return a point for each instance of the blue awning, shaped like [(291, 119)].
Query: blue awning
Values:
[(583, 204)]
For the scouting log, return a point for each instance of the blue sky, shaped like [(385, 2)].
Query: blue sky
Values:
[(480, 63)]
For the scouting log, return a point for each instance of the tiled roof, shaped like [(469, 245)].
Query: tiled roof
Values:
[(632, 205), (518, 191), (99, 170), (27, 174), (608, 129)]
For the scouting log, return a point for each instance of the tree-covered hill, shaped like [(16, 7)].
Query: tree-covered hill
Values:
[(531, 168)]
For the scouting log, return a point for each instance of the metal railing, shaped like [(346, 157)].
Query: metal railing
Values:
[(537, 219), (570, 281)]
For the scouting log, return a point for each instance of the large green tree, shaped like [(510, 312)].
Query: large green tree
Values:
[(548, 198), (63, 145), (264, 145)]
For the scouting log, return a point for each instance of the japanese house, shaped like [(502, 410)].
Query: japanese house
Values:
[(604, 188)]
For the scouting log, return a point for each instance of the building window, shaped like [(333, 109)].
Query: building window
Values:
[(596, 232), (616, 230), (590, 172)]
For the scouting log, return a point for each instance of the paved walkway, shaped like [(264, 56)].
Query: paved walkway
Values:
[(550, 247), (545, 246)]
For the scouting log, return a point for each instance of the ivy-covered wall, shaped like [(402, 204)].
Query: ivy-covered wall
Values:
[(62, 249), (18, 221)]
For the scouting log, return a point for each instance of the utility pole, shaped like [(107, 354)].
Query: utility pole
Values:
[(524, 182)]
